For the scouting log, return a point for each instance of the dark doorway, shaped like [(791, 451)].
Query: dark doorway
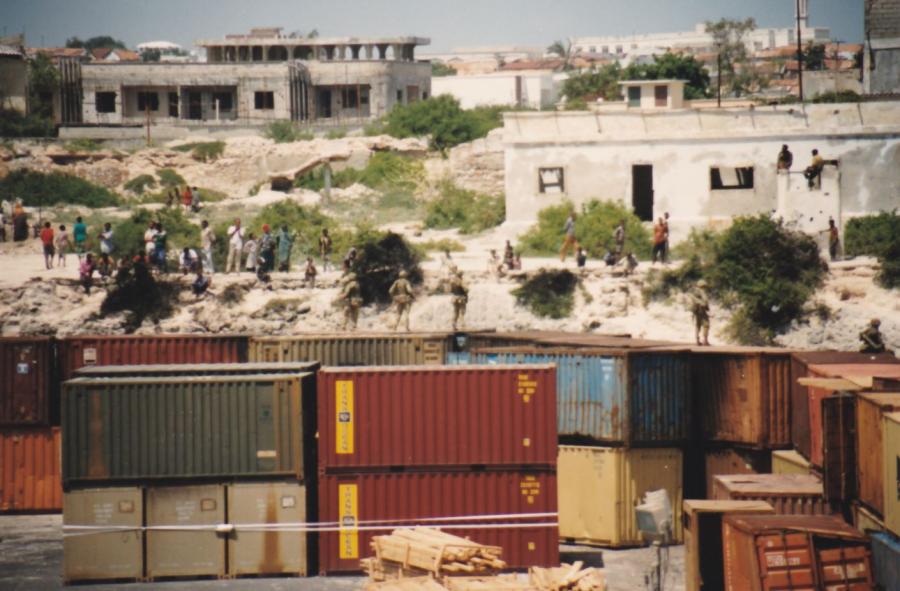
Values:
[(195, 105), (173, 104), (323, 103), (642, 191)]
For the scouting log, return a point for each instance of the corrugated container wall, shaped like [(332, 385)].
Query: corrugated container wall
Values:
[(891, 472), (29, 470), (354, 350), (144, 428), (418, 416), (789, 494), (194, 369), (358, 501), (28, 395), (734, 461), (600, 486), (839, 463), (743, 397), (870, 411), (639, 398), (886, 561), (76, 352)]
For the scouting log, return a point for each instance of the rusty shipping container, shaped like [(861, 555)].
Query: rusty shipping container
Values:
[(800, 364), (195, 369), (789, 494), (891, 472), (134, 429), (357, 349), (839, 464), (704, 564), (522, 503), (743, 395), (29, 470), (635, 397), (28, 393), (870, 411), (794, 553), (442, 416), (733, 461), (79, 351)]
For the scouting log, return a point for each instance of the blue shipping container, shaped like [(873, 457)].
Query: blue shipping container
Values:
[(635, 398), (886, 561)]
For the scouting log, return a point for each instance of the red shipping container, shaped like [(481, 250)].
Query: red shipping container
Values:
[(27, 392), (461, 415), (368, 505), (77, 352), (29, 470)]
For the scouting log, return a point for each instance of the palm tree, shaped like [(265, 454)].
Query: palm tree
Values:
[(563, 50)]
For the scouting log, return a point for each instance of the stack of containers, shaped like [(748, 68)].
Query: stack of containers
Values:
[(163, 465), (622, 415), (470, 449), (29, 431)]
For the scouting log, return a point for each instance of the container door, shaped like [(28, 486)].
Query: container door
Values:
[(839, 447), (26, 396), (785, 563), (845, 569)]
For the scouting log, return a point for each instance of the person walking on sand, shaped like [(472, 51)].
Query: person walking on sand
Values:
[(106, 239), (79, 233), (285, 244), (325, 249), (659, 241), (47, 241), (699, 301), (309, 275), (251, 247), (834, 239), (459, 293), (62, 245), (666, 228), (207, 239), (267, 249), (569, 240), (235, 245), (159, 244), (402, 294), (86, 273), (619, 238)]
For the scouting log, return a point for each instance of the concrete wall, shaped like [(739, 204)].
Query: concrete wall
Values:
[(13, 83), (597, 152), (882, 54), (384, 78), (829, 81), (538, 89)]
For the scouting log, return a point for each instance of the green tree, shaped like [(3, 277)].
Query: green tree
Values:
[(593, 84), (443, 120), (440, 69), (96, 42), (151, 55), (43, 80), (673, 66), (814, 56), (729, 37)]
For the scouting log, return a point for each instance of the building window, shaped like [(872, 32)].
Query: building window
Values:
[(349, 98), (661, 94), (425, 95), (105, 102), (264, 100), (634, 96), (592, 49), (605, 50), (399, 96), (224, 99), (147, 101), (364, 95), (173, 104), (618, 50), (728, 177), (551, 180)]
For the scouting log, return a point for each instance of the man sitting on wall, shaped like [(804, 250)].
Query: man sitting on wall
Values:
[(814, 170)]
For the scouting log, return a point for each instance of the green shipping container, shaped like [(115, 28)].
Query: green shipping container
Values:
[(137, 429), (357, 349)]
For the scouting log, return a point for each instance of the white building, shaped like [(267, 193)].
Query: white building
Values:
[(535, 89), (705, 166)]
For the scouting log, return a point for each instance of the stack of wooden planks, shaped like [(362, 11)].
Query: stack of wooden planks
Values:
[(567, 576)]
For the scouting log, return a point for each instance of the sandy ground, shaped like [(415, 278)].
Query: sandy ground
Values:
[(31, 553)]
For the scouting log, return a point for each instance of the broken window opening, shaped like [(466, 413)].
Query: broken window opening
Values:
[(173, 104), (349, 98), (728, 177), (399, 96), (105, 102), (147, 101), (364, 96), (551, 180), (224, 99), (264, 100)]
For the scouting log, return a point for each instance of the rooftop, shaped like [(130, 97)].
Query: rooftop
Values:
[(273, 36)]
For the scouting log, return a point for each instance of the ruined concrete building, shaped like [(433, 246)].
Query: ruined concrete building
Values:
[(881, 65), (248, 81)]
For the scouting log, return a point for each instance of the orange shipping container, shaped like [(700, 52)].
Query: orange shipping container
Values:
[(870, 409), (789, 494), (29, 471)]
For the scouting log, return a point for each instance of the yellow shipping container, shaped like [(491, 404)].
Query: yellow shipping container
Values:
[(891, 454), (789, 462), (356, 349), (599, 488)]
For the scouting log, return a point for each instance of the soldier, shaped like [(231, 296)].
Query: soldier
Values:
[(872, 340), (402, 294), (700, 309), (460, 294), (351, 300)]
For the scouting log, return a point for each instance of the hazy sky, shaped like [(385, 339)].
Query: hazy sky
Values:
[(449, 23)]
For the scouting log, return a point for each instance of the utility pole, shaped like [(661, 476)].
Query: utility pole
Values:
[(719, 75), (799, 52)]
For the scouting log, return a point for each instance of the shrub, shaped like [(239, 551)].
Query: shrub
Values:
[(442, 245), (594, 229), (203, 151), (381, 257), (140, 183), (375, 127), (336, 134), (43, 189), (549, 294), (443, 120), (83, 145), (169, 178), (15, 124), (307, 222), (841, 96), (284, 131), (878, 236), (141, 296), (463, 209), (385, 171)]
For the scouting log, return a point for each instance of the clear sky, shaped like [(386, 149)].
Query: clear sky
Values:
[(449, 23)]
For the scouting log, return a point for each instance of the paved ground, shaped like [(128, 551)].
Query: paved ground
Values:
[(31, 559)]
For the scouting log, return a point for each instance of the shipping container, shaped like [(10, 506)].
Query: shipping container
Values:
[(886, 561), (734, 461), (794, 553), (79, 351), (357, 349), (788, 461), (865, 520), (111, 543), (511, 509), (613, 396), (29, 470), (743, 395), (839, 447), (789, 494), (870, 410), (441, 416), (253, 548), (182, 540), (800, 362), (704, 567), (134, 429), (600, 486), (891, 472), (195, 369), (28, 395)]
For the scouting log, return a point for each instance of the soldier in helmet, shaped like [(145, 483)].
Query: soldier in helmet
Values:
[(402, 294), (351, 300), (460, 294), (699, 301), (872, 340)]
